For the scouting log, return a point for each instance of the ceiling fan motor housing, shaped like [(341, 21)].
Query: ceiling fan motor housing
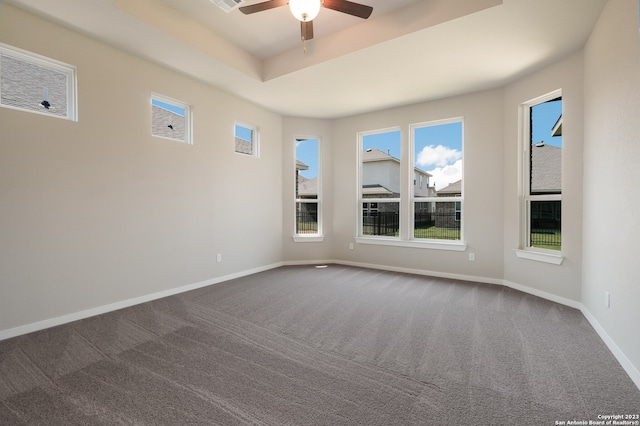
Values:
[(304, 10)]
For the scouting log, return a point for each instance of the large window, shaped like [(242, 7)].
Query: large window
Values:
[(380, 184), (307, 187), (171, 119), (411, 190), (437, 158), (542, 174), (34, 83)]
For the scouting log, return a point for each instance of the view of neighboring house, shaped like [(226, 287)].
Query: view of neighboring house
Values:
[(380, 174), (546, 171), (46, 91), (305, 187), (381, 179), (452, 190), (546, 178), (167, 123), (448, 214), (243, 146)]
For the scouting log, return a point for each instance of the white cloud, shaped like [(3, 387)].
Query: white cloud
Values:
[(446, 164), (439, 156), (443, 176)]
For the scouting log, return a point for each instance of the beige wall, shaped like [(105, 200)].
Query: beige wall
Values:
[(99, 212), (560, 280), (482, 114), (294, 127), (490, 186), (611, 198)]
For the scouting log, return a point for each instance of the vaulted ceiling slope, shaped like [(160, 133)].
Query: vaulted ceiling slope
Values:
[(407, 51)]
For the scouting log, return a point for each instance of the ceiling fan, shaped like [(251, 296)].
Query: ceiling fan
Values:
[(306, 10)]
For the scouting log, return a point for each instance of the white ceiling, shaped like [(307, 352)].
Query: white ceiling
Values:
[(407, 51)]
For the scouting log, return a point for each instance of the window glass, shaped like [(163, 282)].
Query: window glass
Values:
[(380, 184), (246, 137), (307, 186), (31, 82), (437, 155), (543, 173), (170, 119)]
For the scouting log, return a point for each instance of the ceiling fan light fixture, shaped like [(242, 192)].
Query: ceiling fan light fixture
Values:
[(304, 10)]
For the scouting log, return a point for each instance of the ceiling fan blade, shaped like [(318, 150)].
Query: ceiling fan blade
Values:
[(351, 8), (259, 7), (306, 30)]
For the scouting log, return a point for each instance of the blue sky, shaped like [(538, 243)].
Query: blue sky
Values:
[(176, 109), (307, 152), (544, 117), (438, 151), (388, 142), (244, 133), (438, 148)]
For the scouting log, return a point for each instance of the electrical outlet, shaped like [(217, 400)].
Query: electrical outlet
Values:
[(350, 246), (472, 257), (219, 257), (607, 299)]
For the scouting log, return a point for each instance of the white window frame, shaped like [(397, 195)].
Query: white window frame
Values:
[(376, 239), (525, 250), (54, 65), (255, 138), (436, 199), (319, 235), (188, 117), (406, 203)]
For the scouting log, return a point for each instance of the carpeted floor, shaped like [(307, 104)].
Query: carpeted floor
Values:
[(306, 346)]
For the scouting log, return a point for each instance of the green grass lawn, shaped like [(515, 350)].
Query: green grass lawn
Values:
[(307, 228), (435, 233), (431, 232), (542, 240), (539, 239)]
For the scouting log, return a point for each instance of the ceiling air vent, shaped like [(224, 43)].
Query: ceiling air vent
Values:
[(228, 5)]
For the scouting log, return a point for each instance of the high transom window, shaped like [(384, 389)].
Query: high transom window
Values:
[(171, 119), (34, 83)]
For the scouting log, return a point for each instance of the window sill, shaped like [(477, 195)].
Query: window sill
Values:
[(431, 244), (308, 239), (555, 259)]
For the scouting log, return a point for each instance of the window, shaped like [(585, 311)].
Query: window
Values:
[(437, 157), (380, 183), (307, 187), (542, 174), (410, 192), (246, 139), (37, 84), (171, 119)]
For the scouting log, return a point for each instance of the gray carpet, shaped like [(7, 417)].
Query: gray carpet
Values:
[(307, 346)]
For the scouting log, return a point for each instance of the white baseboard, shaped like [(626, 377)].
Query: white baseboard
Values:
[(410, 271), (64, 319), (549, 296), (626, 364), (308, 262)]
